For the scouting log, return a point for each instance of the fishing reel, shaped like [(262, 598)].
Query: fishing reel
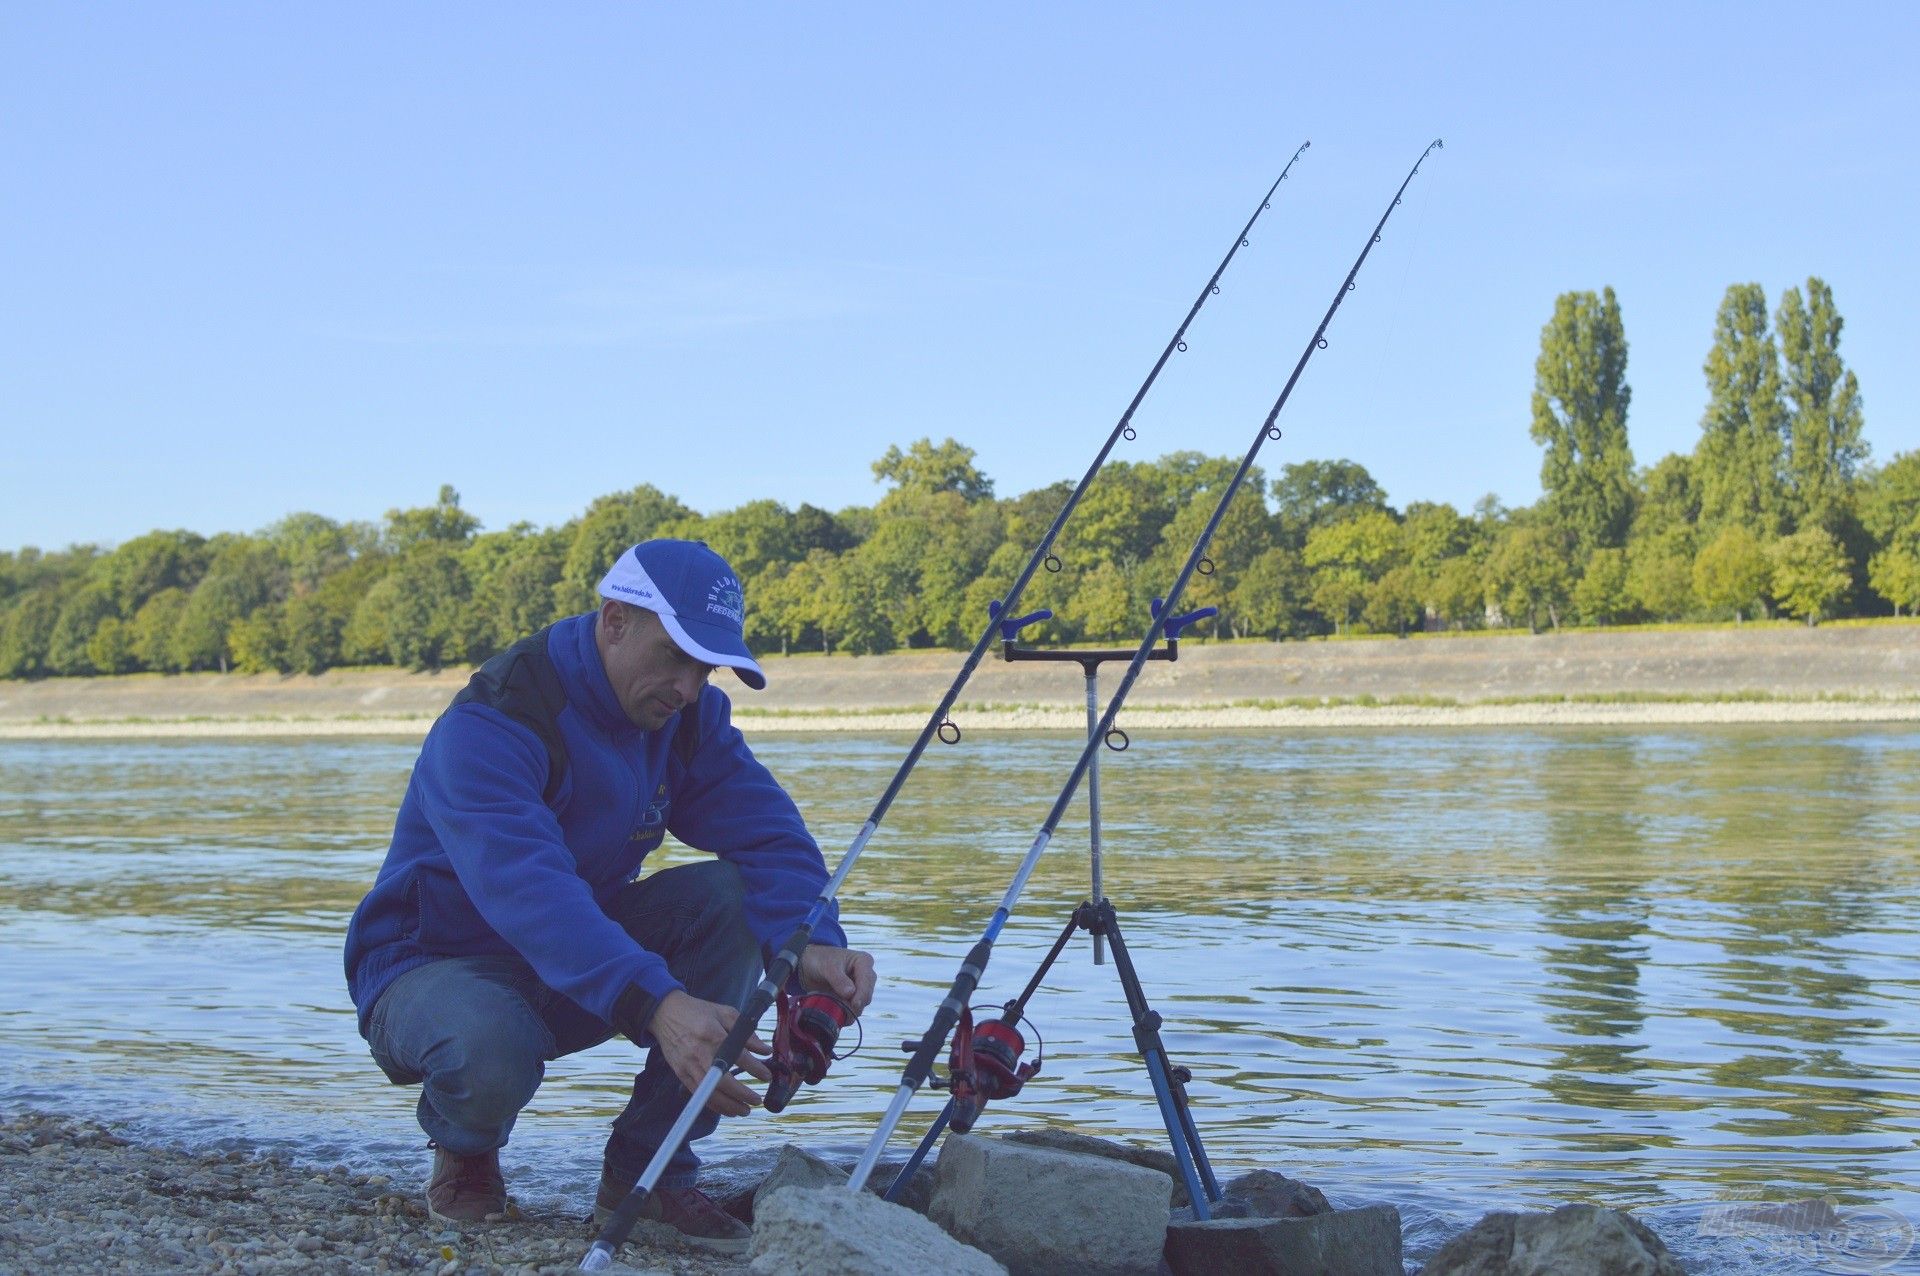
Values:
[(804, 1035), (985, 1064)]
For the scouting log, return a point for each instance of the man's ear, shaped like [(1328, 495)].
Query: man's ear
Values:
[(614, 618)]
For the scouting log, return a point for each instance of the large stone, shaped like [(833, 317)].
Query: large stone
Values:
[(798, 1230), (1360, 1242), (732, 1183), (797, 1167), (1087, 1145), (1040, 1211), (1574, 1240), (1271, 1194)]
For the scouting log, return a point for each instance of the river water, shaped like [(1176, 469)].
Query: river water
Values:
[(1666, 969)]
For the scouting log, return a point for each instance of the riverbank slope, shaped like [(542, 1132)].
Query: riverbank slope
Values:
[(1756, 673)]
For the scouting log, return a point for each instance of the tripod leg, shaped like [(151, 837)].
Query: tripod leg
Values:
[(1169, 1085)]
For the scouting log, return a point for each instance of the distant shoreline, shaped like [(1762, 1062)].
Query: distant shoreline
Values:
[(1753, 674), (1546, 713)]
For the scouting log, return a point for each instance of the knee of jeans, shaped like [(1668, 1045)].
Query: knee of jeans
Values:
[(490, 1087)]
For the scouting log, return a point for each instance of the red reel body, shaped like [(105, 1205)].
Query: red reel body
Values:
[(985, 1065), (804, 1036)]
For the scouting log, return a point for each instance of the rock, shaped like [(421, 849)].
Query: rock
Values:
[(1270, 1194), (1360, 1242), (1574, 1240), (801, 1229), (797, 1167), (1039, 1210), (733, 1182), (1087, 1145)]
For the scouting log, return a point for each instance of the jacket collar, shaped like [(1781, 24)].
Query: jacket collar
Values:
[(577, 658)]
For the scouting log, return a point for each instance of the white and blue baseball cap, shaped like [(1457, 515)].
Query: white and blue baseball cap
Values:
[(695, 594)]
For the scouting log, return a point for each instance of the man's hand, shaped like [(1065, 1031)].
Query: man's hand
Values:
[(688, 1031), (847, 973)]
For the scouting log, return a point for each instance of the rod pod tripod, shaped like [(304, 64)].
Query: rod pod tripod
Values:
[(985, 1061)]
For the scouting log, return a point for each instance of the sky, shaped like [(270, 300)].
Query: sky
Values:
[(266, 258)]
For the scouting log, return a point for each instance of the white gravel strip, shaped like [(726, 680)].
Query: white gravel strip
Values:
[(75, 1197), (1200, 718)]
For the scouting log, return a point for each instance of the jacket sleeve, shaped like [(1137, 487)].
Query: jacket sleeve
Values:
[(729, 804), (480, 778)]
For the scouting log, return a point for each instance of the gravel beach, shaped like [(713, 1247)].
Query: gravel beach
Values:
[(76, 1197)]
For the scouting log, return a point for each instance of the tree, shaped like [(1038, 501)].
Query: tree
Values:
[(1434, 533), (1824, 425), (1456, 593), (609, 527), (1668, 499), (1528, 574), (1244, 533), (314, 547), (1809, 572), (27, 631), (814, 528), (1346, 558), (1732, 572), (427, 608), (1601, 594), (1272, 592), (310, 634), (443, 521), (245, 573), (754, 537), (1120, 520), (1894, 572), (1393, 602), (1580, 399), (1889, 496), (152, 630), (1312, 494), (110, 650), (145, 565), (513, 574), (1660, 573), (848, 616), (258, 641), (80, 615), (1101, 608), (929, 467), (1741, 455)]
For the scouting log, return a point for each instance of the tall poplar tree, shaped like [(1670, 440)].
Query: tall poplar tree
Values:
[(1741, 458), (1580, 398), (1824, 444)]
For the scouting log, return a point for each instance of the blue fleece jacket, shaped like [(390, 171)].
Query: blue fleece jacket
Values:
[(482, 865)]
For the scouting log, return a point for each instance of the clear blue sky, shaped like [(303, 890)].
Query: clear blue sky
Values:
[(263, 258)]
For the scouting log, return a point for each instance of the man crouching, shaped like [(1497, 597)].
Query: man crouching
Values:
[(508, 925)]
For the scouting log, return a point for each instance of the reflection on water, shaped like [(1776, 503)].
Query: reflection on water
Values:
[(1456, 970)]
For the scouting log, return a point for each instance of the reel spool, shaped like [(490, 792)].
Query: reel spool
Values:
[(804, 1035)]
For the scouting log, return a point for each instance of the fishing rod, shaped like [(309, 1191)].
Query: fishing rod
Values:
[(810, 1024), (960, 994)]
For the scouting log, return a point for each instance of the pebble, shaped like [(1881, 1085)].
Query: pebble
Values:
[(101, 1203)]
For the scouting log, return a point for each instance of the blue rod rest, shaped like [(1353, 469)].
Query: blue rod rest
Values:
[(1009, 628), (1174, 625)]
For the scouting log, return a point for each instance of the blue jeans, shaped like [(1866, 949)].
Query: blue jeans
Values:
[(475, 1032)]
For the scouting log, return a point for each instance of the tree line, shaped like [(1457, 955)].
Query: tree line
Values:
[(1776, 509)]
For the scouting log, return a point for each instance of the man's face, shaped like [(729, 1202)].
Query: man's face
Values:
[(651, 676)]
